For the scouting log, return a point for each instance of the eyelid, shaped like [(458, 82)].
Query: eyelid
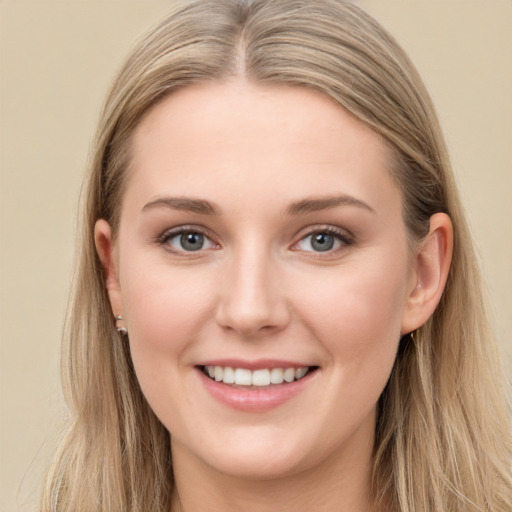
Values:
[(168, 234), (344, 236)]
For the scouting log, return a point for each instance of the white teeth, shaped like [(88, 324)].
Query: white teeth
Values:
[(276, 376), (300, 372), (289, 374), (229, 376), (262, 377), (243, 377)]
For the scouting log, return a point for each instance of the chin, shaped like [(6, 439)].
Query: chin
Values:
[(260, 467), (265, 453)]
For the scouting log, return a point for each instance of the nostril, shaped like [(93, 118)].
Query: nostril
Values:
[(251, 318), (251, 295)]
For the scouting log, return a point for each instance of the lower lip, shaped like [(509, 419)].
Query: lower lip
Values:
[(255, 400)]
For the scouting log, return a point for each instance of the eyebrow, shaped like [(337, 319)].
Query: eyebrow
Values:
[(188, 204), (316, 204), (203, 207)]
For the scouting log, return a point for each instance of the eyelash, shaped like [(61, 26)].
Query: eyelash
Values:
[(164, 238), (343, 237)]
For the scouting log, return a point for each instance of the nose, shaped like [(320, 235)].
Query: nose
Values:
[(253, 301)]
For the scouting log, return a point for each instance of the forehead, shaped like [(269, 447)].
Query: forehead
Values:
[(238, 139)]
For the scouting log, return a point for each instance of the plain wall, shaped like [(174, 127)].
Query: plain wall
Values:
[(56, 61)]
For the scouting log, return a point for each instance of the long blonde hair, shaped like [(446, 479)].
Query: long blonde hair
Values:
[(443, 435)]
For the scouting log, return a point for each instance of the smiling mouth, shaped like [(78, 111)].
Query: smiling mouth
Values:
[(256, 378)]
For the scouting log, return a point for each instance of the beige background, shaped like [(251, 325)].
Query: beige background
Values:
[(56, 60)]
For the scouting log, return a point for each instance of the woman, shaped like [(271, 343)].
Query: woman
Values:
[(277, 304)]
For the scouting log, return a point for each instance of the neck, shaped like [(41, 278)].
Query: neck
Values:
[(341, 483)]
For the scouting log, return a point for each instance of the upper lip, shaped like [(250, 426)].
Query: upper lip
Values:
[(255, 364)]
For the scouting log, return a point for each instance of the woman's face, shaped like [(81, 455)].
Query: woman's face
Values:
[(261, 236)]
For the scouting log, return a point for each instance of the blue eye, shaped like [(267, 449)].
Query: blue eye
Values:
[(188, 241), (322, 241)]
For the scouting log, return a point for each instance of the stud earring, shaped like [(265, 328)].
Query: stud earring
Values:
[(123, 331)]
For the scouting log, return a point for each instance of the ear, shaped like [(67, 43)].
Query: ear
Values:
[(106, 253), (429, 273)]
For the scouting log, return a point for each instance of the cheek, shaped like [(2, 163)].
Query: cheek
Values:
[(358, 313), (165, 308)]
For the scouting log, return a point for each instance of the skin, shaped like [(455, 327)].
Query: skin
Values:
[(259, 289)]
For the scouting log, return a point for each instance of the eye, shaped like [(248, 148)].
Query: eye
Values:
[(323, 241), (187, 241)]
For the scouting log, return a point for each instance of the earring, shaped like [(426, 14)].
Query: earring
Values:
[(123, 331)]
